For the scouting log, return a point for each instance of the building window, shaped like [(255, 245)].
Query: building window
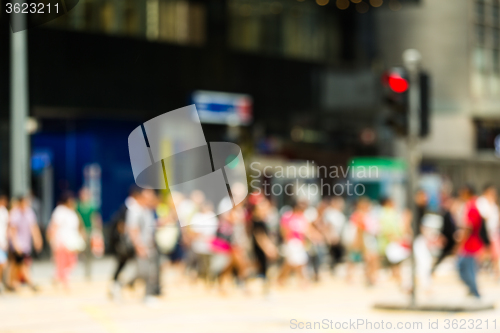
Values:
[(496, 38), (174, 21), (480, 34), (293, 29), (495, 14), (480, 11), (480, 60), (496, 61), (486, 49)]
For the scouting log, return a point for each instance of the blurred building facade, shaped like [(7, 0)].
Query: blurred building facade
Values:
[(460, 44), (108, 65)]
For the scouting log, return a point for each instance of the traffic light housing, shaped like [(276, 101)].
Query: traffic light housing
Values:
[(395, 82), (396, 98), (425, 112)]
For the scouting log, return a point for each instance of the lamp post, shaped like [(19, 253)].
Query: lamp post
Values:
[(412, 59), (19, 106)]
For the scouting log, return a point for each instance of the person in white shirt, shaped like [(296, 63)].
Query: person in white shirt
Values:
[(487, 206), (335, 220), (202, 232), (204, 226), (64, 233), (4, 223)]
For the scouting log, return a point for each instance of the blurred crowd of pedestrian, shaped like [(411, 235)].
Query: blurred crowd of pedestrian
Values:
[(255, 239), (75, 227)]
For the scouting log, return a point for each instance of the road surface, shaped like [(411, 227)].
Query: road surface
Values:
[(194, 308)]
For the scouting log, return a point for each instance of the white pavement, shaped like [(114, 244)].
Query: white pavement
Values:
[(333, 305)]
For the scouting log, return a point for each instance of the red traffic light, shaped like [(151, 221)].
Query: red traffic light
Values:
[(397, 83)]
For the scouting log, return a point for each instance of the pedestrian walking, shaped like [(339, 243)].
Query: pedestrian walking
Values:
[(92, 224), (335, 221), (140, 225), (294, 230), (263, 248), (4, 244), (23, 233), (65, 234), (470, 242)]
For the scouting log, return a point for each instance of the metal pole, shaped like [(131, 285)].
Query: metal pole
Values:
[(19, 106), (412, 60)]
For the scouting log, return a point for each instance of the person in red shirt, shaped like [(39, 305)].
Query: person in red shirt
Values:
[(470, 242)]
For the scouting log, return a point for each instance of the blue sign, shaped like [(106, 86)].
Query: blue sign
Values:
[(223, 108), (40, 160)]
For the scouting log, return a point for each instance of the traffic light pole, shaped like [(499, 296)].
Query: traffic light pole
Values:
[(19, 106), (412, 60)]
